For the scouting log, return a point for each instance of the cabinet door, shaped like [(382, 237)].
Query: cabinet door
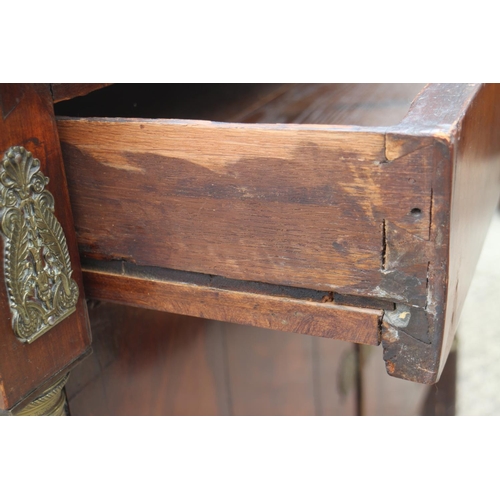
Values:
[(154, 363)]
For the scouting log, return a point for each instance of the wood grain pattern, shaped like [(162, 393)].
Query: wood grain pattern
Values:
[(442, 396), (475, 194), (299, 206), (324, 319), (65, 91), (459, 124), (388, 396), (367, 104), (27, 120), (335, 377), (355, 210), (274, 373), (152, 363)]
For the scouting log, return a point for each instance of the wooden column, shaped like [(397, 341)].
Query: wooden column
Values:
[(44, 327)]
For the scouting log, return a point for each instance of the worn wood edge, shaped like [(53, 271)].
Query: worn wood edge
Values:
[(64, 121), (438, 106), (163, 139), (221, 283), (428, 138), (437, 128), (44, 385), (408, 358), (488, 159), (416, 123), (65, 91), (405, 356), (43, 142), (408, 354), (279, 313), (435, 114)]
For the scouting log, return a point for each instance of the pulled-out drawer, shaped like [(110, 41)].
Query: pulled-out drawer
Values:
[(333, 210)]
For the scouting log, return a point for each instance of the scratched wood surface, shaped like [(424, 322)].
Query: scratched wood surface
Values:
[(302, 206), (288, 205), (356, 206), (460, 123), (299, 223), (27, 120), (152, 363)]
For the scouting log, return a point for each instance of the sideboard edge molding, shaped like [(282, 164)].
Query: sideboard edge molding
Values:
[(354, 324)]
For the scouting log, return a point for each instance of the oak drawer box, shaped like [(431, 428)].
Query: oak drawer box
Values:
[(332, 210)]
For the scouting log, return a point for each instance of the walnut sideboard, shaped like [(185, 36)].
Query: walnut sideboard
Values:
[(232, 249)]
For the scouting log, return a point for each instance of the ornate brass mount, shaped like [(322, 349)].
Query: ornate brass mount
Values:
[(37, 264)]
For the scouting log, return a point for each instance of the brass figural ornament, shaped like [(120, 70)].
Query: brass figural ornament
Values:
[(37, 266)]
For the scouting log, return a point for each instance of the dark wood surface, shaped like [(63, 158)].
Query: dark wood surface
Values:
[(150, 363), (367, 104), (216, 102), (279, 204), (153, 363), (475, 194), (65, 91), (224, 202), (387, 396), (441, 400), (358, 208), (207, 298), (272, 373), (459, 124), (27, 120)]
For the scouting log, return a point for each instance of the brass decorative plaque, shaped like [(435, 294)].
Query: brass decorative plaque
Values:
[(37, 266)]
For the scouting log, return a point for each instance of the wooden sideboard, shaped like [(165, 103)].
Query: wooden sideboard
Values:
[(243, 249)]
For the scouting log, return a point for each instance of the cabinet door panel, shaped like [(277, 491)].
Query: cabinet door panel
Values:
[(154, 363)]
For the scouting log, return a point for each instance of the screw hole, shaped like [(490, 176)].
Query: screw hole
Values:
[(416, 212)]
